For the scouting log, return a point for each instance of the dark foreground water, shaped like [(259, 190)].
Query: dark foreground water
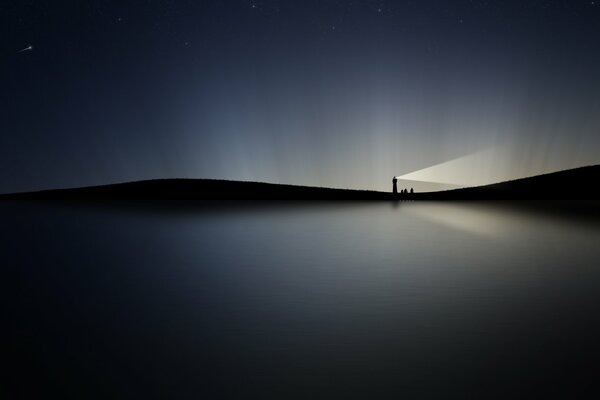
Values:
[(333, 300)]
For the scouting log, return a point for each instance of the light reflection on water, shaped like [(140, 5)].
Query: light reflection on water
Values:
[(330, 300)]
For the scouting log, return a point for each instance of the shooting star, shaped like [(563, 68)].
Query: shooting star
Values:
[(29, 48)]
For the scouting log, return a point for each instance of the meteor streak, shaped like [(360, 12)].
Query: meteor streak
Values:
[(29, 48)]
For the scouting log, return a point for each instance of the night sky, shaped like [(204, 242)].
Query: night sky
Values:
[(312, 92)]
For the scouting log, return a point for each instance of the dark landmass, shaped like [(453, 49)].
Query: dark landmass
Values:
[(200, 189), (574, 184)]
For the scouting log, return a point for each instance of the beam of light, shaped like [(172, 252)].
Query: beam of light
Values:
[(479, 168)]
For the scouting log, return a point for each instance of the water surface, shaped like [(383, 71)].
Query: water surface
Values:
[(325, 300)]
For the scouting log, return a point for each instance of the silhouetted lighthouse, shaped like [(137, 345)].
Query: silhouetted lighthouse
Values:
[(395, 184)]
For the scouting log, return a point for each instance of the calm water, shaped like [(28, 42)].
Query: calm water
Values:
[(334, 300)]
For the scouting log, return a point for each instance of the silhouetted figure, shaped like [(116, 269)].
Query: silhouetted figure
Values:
[(411, 191), (395, 185)]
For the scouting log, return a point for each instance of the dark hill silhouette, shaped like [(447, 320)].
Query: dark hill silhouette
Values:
[(574, 184), (201, 189)]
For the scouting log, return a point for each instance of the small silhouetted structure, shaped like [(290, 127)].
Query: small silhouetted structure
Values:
[(411, 191), (395, 185)]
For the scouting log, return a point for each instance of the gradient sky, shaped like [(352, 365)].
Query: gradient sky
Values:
[(314, 92)]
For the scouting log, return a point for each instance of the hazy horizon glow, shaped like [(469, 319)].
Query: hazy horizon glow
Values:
[(322, 93)]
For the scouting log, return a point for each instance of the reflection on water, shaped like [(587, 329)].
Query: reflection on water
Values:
[(335, 300), (470, 218)]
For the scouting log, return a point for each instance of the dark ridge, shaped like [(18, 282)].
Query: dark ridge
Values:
[(200, 189), (573, 184)]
